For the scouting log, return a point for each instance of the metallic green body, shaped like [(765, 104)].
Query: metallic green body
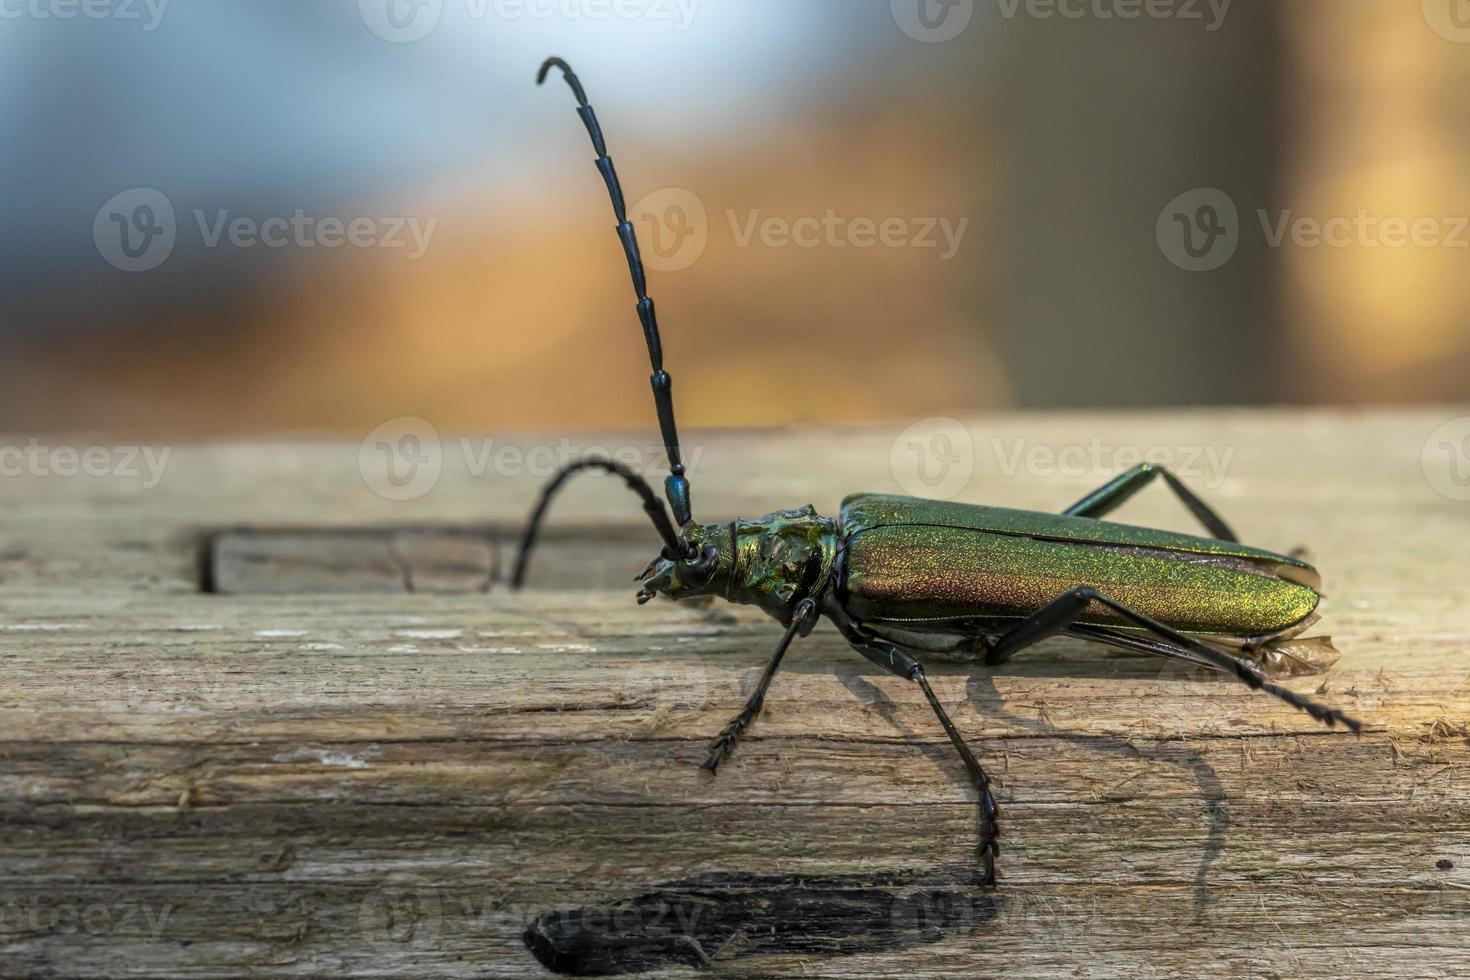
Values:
[(922, 564), (935, 575)]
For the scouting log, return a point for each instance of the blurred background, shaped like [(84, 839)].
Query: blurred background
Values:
[(229, 217)]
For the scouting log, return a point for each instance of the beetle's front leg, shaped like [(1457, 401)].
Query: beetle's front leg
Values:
[(802, 621)]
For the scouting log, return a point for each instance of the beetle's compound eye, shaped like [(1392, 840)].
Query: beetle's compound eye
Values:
[(704, 563)]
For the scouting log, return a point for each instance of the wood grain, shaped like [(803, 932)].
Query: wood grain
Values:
[(400, 784)]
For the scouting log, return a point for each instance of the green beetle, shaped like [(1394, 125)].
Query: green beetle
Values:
[(899, 576)]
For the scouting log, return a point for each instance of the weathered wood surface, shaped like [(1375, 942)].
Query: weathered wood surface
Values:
[(397, 784)]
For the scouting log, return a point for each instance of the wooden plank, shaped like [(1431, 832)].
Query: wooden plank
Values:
[(317, 561), (404, 783)]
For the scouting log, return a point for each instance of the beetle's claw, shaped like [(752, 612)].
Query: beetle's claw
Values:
[(719, 750)]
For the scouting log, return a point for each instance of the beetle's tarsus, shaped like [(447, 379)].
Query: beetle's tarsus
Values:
[(1062, 613), (724, 743), (721, 747), (989, 847)]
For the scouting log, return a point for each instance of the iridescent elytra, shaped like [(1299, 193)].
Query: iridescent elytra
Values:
[(901, 577)]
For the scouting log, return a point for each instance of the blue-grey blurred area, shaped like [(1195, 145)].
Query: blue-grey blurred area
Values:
[(249, 216)]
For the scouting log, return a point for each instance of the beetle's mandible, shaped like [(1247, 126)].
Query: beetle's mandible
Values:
[(900, 576)]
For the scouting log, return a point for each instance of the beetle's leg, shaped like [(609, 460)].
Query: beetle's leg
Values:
[(1063, 611), (890, 657), (801, 623), (989, 848), (1108, 497)]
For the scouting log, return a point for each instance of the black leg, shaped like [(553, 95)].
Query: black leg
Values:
[(1107, 498), (890, 657), (1061, 613), (724, 743)]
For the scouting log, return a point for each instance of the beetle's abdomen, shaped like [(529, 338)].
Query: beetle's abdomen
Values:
[(917, 573)]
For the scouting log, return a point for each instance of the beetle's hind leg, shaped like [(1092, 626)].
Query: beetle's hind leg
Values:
[(1108, 497), (890, 657), (1062, 613)]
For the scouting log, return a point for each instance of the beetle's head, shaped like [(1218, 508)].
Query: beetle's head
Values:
[(707, 572), (773, 563)]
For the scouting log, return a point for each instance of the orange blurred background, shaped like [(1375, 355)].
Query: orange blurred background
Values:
[(1061, 144)]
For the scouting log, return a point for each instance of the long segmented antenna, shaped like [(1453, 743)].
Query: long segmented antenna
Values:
[(674, 546), (676, 486)]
